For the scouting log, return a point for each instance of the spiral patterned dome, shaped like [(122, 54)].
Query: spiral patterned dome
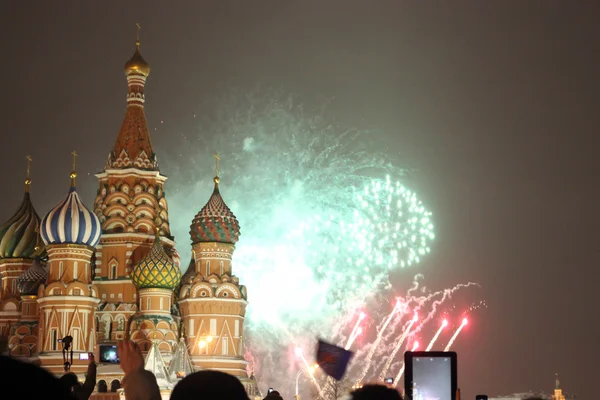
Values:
[(18, 235), (156, 270), (215, 222), (71, 222), (30, 280)]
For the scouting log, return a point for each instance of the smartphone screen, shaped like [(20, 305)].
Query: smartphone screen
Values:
[(270, 390), (432, 378), (389, 381), (84, 356)]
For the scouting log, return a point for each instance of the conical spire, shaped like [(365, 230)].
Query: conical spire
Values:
[(155, 364), (181, 363), (133, 148)]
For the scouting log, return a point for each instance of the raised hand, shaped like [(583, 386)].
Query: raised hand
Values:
[(130, 356)]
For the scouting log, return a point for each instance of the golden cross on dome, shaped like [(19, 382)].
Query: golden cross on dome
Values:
[(74, 171), (137, 35), (217, 158), (74, 154), (28, 179)]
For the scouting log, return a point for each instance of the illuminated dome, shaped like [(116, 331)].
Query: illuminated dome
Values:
[(30, 280), (71, 222), (156, 270), (18, 235), (215, 222), (137, 64)]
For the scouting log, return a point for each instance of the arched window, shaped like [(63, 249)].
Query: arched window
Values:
[(75, 270), (162, 303), (60, 270), (113, 271), (207, 268), (102, 387), (225, 346), (221, 268), (115, 385), (148, 304)]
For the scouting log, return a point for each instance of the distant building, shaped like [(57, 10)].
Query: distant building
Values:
[(558, 395)]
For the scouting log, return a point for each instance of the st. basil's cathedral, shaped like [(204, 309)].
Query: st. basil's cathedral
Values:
[(110, 272)]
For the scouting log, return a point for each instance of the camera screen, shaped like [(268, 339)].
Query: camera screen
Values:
[(84, 356), (108, 354), (432, 378)]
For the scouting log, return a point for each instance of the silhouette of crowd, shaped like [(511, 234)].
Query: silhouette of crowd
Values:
[(27, 381)]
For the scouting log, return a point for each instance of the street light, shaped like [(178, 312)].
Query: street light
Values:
[(310, 370)]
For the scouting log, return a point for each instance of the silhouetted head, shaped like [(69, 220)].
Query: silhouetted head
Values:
[(274, 395), (376, 392), (209, 385), (70, 381), (28, 381)]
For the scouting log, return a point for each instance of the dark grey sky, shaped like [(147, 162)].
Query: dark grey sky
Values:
[(495, 103)]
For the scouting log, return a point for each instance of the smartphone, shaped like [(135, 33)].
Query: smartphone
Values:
[(389, 381), (59, 340), (481, 397), (430, 374), (84, 356), (270, 390)]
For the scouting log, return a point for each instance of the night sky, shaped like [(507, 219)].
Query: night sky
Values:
[(494, 104)]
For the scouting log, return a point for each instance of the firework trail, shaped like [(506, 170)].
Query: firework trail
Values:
[(377, 353), (401, 372), (437, 335), (398, 346), (353, 338), (356, 330), (309, 370), (376, 343), (451, 342)]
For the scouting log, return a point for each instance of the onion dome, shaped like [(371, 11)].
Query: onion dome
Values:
[(156, 270), (18, 235), (215, 222), (137, 64), (30, 280), (70, 222)]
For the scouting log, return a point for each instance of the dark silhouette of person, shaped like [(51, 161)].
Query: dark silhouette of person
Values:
[(71, 382), (274, 395), (209, 385), (375, 392), (27, 381)]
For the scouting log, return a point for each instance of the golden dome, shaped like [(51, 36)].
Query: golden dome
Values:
[(137, 64)]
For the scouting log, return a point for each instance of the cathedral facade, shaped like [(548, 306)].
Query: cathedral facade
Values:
[(82, 278)]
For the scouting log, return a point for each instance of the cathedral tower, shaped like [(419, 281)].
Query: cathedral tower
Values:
[(18, 237), (212, 302), (68, 301), (130, 205), (155, 276)]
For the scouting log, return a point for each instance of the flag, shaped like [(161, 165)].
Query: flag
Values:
[(333, 360)]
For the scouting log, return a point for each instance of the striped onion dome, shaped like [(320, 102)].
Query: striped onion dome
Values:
[(156, 270), (71, 222), (30, 280), (215, 222), (18, 235)]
